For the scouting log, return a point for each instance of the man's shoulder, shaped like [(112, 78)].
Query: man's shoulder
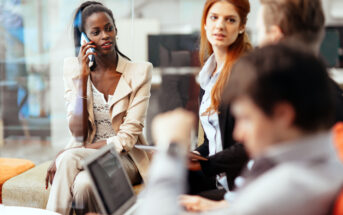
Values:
[(305, 174), (288, 188)]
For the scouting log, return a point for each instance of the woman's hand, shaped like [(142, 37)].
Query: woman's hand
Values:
[(84, 60), (199, 204), (50, 174)]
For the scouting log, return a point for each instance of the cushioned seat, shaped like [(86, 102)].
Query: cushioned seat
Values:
[(10, 167), (27, 189)]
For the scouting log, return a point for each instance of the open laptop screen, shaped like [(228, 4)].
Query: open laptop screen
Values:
[(110, 181)]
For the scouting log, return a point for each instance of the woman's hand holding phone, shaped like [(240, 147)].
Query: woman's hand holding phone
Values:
[(84, 59)]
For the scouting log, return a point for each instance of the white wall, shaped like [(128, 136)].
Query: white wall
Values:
[(333, 12), (252, 19), (133, 37)]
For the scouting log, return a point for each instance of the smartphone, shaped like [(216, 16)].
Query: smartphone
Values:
[(84, 40)]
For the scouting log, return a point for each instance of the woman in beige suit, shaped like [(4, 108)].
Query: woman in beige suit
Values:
[(107, 103)]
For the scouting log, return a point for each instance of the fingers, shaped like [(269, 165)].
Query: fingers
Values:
[(190, 203), (200, 204), (84, 52), (86, 48), (52, 175), (47, 180), (187, 200), (85, 58), (83, 47)]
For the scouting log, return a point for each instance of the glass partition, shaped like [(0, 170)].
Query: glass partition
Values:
[(36, 36)]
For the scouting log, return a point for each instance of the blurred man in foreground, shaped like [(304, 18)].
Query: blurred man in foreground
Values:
[(283, 104)]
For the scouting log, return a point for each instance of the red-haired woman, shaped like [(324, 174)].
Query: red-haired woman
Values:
[(223, 41)]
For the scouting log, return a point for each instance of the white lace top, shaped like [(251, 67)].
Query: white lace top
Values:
[(102, 116)]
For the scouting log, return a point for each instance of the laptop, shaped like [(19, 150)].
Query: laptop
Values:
[(110, 183)]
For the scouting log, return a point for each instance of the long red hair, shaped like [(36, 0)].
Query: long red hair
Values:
[(234, 51)]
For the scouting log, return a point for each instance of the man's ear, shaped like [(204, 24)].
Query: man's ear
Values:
[(284, 114), (275, 33)]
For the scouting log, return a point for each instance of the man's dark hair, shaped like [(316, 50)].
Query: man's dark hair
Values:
[(280, 73)]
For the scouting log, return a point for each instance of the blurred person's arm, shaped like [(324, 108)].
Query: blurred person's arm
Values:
[(167, 177), (195, 203)]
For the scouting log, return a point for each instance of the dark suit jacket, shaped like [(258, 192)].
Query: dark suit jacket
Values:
[(233, 157)]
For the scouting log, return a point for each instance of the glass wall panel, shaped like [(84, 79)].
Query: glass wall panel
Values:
[(36, 37)]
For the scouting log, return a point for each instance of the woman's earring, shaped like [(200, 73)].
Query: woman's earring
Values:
[(241, 32), (117, 37)]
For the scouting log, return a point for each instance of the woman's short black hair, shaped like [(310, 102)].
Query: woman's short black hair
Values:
[(280, 73), (82, 13)]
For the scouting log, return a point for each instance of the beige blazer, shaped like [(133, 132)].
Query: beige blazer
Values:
[(128, 106)]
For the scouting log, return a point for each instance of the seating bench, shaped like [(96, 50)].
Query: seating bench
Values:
[(11, 167), (28, 188)]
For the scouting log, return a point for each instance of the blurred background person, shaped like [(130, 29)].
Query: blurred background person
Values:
[(300, 22)]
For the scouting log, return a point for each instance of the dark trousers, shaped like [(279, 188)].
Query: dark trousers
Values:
[(205, 186)]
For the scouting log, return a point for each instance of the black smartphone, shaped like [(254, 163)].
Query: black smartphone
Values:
[(84, 40)]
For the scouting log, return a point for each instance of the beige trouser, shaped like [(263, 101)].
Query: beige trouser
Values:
[(72, 184)]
